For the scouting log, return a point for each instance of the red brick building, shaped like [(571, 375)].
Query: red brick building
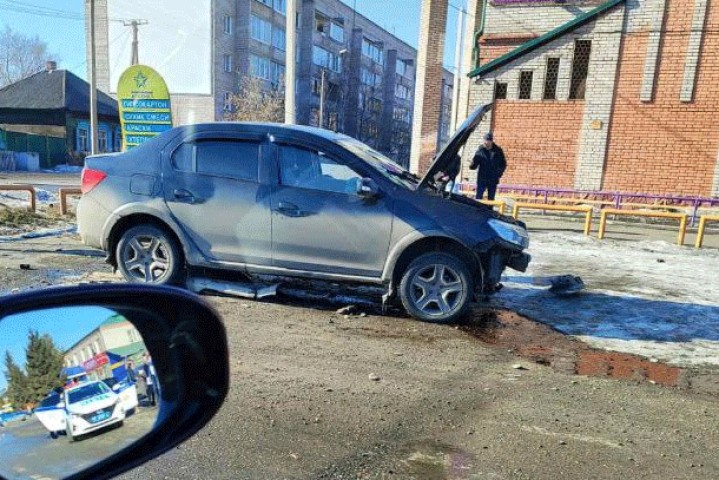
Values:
[(621, 95)]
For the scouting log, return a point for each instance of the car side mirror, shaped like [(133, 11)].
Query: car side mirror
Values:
[(41, 335), (367, 188)]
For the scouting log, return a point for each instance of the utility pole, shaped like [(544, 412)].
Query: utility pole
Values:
[(322, 99), (291, 62), (457, 72), (93, 83), (134, 24)]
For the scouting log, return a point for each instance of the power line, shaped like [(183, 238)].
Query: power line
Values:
[(31, 9)]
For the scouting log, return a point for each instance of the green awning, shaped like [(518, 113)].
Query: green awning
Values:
[(532, 45)]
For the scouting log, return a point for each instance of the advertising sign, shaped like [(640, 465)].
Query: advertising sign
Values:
[(144, 104), (95, 362)]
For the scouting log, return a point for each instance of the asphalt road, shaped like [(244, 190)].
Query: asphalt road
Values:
[(317, 395), (27, 451)]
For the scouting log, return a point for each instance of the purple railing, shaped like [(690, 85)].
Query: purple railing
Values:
[(617, 198)]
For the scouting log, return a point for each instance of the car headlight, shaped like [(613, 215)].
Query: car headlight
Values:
[(513, 234)]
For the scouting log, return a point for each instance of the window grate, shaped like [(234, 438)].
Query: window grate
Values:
[(580, 69), (550, 80), (525, 85), (500, 91)]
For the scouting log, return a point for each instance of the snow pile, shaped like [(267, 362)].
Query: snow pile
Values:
[(65, 169), (648, 298)]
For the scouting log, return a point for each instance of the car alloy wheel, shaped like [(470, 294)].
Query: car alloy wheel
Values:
[(146, 254), (436, 287)]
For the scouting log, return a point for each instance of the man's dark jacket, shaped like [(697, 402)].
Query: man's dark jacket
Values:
[(491, 164)]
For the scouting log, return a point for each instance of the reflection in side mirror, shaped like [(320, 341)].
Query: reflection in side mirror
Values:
[(106, 383), (367, 188)]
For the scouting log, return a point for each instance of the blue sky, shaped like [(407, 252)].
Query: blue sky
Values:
[(65, 325), (64, 32)]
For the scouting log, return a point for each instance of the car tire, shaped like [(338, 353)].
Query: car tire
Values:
[(54, 435), (148, 254), (436, 288)]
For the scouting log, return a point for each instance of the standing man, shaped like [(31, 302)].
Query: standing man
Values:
[(490, 164)]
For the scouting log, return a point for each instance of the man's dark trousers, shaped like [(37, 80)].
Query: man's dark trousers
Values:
[(486, 185)]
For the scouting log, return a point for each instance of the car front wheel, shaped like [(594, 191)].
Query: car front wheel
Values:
[(436, 287), (147, 254)]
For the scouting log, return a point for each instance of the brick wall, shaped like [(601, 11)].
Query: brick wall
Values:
[(666, 146), (539, 140)]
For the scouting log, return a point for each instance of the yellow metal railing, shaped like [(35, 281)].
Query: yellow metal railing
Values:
[(22, 188), (585, 209), (495, 203), (702, 227), (682, 217)]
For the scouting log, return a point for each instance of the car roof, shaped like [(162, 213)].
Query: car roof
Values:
[(270, 127)]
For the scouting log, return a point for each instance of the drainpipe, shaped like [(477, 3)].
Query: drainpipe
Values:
[(478, 33)]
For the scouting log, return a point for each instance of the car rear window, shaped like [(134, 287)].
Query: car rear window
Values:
[(233, 159)]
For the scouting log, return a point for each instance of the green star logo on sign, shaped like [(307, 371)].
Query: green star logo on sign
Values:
[(140, 80)]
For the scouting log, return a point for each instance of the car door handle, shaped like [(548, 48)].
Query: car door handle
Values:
[(183, 195), (289, 210)]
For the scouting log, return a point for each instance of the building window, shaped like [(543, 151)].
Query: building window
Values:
[(82, 136), (227, 102), (277, 73), (260, 30), (580, 69), (525, 85), (266, 2), (401, 91), (280, 6), (322, 22), (550, 79), (369, 78), (323, 58), (402, 67), (227, 22), (260, 67), (102, 140), (372, 50), (227, 63), (337, 32), (500, 90), (279, 40)]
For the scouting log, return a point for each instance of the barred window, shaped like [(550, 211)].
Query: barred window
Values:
[(500, 91), (550, 79), (580, 69), (525, 85)]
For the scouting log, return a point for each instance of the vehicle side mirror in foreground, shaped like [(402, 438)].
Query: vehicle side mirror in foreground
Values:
[(164, 348), (367, 188)]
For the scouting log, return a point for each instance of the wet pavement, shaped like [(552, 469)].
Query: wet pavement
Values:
[(28, 451), (541, 344)]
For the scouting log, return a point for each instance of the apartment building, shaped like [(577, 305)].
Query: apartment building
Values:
[(353, 76)]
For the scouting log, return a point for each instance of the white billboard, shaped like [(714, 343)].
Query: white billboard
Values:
[(176, 41)]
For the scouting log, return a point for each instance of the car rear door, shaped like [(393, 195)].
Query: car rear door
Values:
[(212, 188), (319, 222)]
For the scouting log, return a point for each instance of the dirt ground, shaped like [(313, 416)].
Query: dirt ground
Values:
[(320, 395)]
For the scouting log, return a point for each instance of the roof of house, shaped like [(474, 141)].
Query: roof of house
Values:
[(55, 90), (128, 350), (542, 40)]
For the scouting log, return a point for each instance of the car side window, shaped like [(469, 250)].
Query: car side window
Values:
[(305, 168), (182, 157), (222, 158), (228, 158)]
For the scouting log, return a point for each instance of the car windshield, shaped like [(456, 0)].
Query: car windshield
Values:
[(86, 391), (388, 168)]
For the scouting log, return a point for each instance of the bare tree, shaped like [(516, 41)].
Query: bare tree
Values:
[(256, 102), (20, 56)]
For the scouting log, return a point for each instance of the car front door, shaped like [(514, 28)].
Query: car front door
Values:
[(319, 222), (212, 188)]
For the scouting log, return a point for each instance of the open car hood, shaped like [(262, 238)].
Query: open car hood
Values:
[(443, 160)]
